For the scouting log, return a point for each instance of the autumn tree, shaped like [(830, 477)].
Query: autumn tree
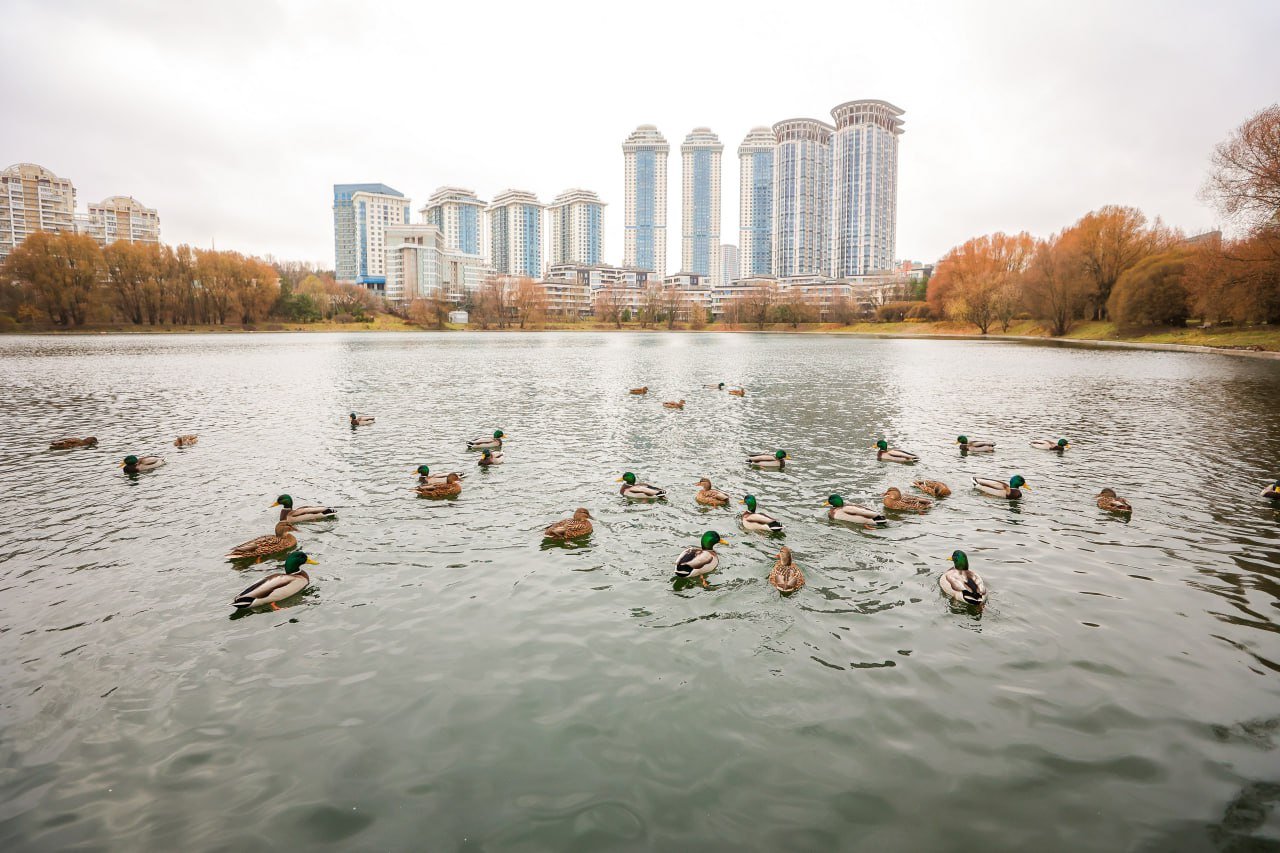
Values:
[(61, 272), (1055, 287), (1245, 182), (975, 282), (674, 302), (756, 306), (529, 301), (129, 269), (1152, 292), (608, 305), (793, 308), (1111, 240)]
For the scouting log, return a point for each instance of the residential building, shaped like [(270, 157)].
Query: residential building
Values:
[(120, 217), (515, 234), (720, 299), (566, 298), (421, 264), (459, 215), (728, 263), (864, 199), (33, 199), (700, 203), (644, 156), (361, 215), (600, 275), (801, 195), (755, 204), (576, 225)]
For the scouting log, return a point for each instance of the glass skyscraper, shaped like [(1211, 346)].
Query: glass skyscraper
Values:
[(576, 220), (864, 203), (361, 214), (755, 204), (801, 194), (515, 234), (458, 213), (700, 203), (645, 215)]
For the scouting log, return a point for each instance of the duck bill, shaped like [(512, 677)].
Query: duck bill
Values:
[(277, 503), (620, 480), (311, 562)]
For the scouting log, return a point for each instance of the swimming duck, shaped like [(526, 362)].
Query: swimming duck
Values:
[(962, 583), (710, 496), (702, 561), (490, 457), (361, 420), (887, 454), (571, 528), (1111, 502), (426, 478), (1273, 491), (975, 445), (481, 443), (639, 491), (265, 546), (68, 443), (1049, 444), (294, 515), (841, 511), (894, 499), (786, 576), (738, 392), (937, 488), (719, 386), (997, 489), (137, 464), (641, 390), (279, 586), (676, 404), (185, 440), (450, 488), (758, 521), (777, 459)]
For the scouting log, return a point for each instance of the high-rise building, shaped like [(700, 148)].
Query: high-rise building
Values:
[(755, 204), (120, 217), (421, 264), (645, 219), (576, 220), (515, 234), (801, 197), (700, 203), (864, 201), (33, 199), (728, 264), (361, 215), (460, 217)]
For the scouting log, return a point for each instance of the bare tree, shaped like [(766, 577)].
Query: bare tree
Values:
[(1245, 182)]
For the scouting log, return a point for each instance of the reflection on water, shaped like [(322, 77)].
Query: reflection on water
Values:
[(451, 680)]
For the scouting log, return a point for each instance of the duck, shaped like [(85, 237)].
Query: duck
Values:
[(976, 445), (571, 528), (361, 420), (888, 454), (1049, 444), (894, 499), (639, 491), (450, 488), (265, 546), (69, 443), (708, 495), (490, 457), (738, 392), (295, 514), (719, 386), (777, 459), (786, 576), (856, 513), (1272, 492), (644, 389), (426, 478), (758, 521), (962, 583), (997, 489), (279, 586), (1111, 502), (494, 443), (702, 561), (137, 464), (937, 488), (674, 404), (185, 440)]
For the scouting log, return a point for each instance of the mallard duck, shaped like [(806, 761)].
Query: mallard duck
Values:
[(895, 499), (719, 386), (494, 443), (975, 445), (279, 586), (856, 513), (137, 464), (450, 488), (69, 443), (490, 457), (995, 488), (700, 562), (361, 420), (265, 546), (639, 491), (937, 488), (675, 404), (758, 521), (776, 459), (962, 583), (642, 390), (1272, 492), (571, 528), (185, 440), (295, 515), (786, 576), (1111, 502), (1049, 444), (888, 454), (710, 496), (426, 478), (738, 392)]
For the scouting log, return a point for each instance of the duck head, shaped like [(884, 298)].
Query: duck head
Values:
[(295, 561), (750, 501), (960, 560), (628, 478), (1016, 482), (284, 501), (711, 539)]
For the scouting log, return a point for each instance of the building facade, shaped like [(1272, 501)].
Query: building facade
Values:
[(864, 175), (421, 265), (120, 217), (361, 215), (515, 234), (644, 156), (700, 203), (601, 275), (801, 196), (33, 199), (459, 215), (576, 226), (755, 204), (729, 263)]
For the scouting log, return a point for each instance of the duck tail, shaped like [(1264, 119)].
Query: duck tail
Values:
[(244, 602)]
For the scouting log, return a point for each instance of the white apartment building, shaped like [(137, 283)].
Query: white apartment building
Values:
[(644, 155), (700, 203), (459, 215), (801, 198), (515, 234), (576, 225), (755, 204), (728, 263), (864, 177), (32, 199), (361, 215), (120, 217), (419, 264)]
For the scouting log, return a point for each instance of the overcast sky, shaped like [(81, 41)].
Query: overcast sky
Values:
[(234, 118)]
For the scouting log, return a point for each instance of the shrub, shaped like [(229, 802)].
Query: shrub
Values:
[(1151, 292), (896, 312), (920, 311), (344, 318)]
